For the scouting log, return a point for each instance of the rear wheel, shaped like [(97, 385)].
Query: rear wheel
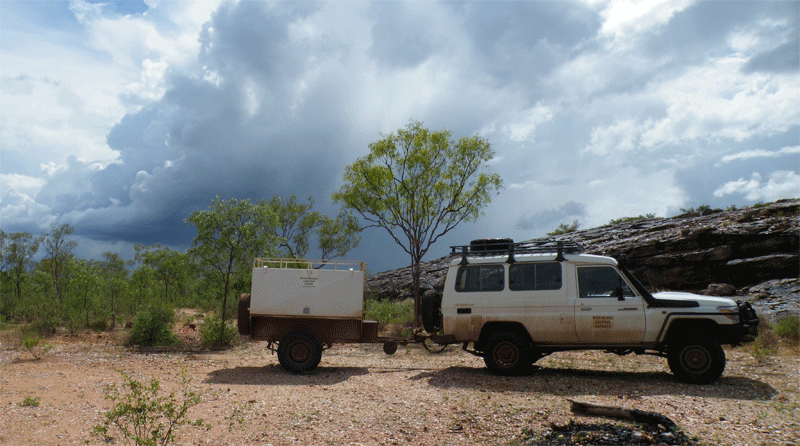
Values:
[(299, 351), (696, 360), (507, 354)]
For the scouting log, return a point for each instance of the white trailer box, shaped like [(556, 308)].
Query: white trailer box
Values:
[(288, 288)]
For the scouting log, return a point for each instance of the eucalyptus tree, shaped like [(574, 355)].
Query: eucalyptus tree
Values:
[(17, 250), (230, 233), (298, 224), (114, 275), (170, 267), (419, 184), (58, 252)]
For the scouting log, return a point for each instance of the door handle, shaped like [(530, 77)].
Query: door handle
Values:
[(628, 309), (586, 308)]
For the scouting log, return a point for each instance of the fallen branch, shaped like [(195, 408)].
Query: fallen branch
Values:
[(651, 418)]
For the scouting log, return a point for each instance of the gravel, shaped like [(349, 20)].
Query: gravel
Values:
[(359, 396)]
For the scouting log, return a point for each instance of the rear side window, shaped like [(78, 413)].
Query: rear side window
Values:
[(534, 276), (480, 278)]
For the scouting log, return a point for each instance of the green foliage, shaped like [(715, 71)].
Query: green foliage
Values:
[(564, 228), (153, 326), (419, 184), (229, 234), (616, 221), (764, 346), (216, 334), (43, 326), (144, 414), (35, 346), (171, 270), (385, 311), (31, 401), (788, 330), (16, 259), (703, 209)]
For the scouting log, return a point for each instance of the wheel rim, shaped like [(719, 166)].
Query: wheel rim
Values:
[(696, 359), (506, 354), (299, 352)]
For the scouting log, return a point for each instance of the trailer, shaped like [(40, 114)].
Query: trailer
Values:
[(301, 307)]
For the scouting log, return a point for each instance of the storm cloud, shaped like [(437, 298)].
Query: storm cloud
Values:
[(121, 119)]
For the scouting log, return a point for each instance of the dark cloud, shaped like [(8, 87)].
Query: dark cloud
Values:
[(703, 29), (245, 135), (403, 35), (523, 41), (783, 59)]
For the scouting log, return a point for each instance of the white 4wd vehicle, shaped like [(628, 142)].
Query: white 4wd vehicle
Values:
[(516, 303)]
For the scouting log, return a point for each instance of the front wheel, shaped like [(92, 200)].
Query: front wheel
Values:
[(507, 354), (299, 351), (696, 360)]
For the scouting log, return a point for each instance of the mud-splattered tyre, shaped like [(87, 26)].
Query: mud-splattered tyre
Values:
[(243, 320), (696, 360), (507, 354), (299, 351)]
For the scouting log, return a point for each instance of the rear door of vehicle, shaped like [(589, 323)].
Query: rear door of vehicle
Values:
[(538, 292)]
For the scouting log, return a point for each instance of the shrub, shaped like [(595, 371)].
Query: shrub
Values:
[(788, 330), (144, 415), (42, 327), (385, 311), (35, 346), (30, 401), (765, 345), (153, 326), (564, 228), (99, 324), (213, 333)]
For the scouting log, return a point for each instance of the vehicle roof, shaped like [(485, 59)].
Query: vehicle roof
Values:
[(528, 258)]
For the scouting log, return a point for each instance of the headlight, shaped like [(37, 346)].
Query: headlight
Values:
[(730, 311)]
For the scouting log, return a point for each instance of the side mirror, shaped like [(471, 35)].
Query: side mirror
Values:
[(618, 293)]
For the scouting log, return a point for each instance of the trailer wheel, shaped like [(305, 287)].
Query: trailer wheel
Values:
[(244, 315), (507, 354), (299, 351)]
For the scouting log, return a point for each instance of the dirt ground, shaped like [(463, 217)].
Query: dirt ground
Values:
[(360, 396)]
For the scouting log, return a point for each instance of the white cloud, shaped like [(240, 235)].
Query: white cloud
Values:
[(524, 128), (760, 153), (625, 21), (781, 184), (621, 136), (709, 103)]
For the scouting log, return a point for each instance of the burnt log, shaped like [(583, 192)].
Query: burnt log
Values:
[(640, 416)]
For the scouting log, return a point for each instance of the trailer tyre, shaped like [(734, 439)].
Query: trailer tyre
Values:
[(244, 315), (299, 351)]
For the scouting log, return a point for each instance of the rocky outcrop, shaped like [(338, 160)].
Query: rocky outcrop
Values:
[(742, 248)]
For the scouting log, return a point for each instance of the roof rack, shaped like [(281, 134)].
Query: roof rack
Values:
[(478, 248)]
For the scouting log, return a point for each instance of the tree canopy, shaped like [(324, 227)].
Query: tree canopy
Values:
[(419, 184)]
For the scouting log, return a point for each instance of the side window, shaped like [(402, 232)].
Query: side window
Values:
[(480, 278), (602, 281), (534, 276)]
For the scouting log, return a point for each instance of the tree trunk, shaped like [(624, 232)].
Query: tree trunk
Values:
[(415, 273)]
